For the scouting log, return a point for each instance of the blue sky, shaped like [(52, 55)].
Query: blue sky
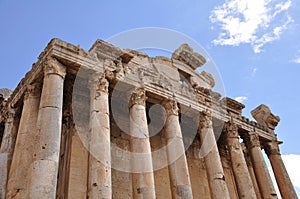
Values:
[(255, 44)]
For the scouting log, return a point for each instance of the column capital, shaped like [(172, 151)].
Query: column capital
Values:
[(170, 106), (253, 140), (231, 130), (272, 148), (99, 82), (138, 96), (53, 66), (10, 114), (205, 119), (32, 90)]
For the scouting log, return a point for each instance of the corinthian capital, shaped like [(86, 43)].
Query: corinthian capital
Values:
[(231, 130), (253, 140), (53, 66), (10, 115), (32, 90), (138, 96), (171, 106), (205, 119), (272, 148)]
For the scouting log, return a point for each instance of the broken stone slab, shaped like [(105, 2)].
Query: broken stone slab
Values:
[(187, 55), (263, 115)]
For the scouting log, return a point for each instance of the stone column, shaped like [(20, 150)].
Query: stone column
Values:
[(6, 151), (283, 180), (100, 185), (213, 164), (251, 170), (241, 174), (142, 169), (178, 167), (46, 156), (22, 159), (260, 168)]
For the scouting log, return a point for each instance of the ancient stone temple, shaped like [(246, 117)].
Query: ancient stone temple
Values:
[(116, 123)]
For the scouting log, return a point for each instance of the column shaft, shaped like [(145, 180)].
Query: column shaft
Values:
[(262, 174), (141, 160), (241, 174), (209, 150), (22, 159), (100, 185), (251, 170), (283, 180), (6, 151), (178, 166), (45, 166)]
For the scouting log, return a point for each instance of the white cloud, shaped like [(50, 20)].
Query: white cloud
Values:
[(256, 22), (297, 60), (241, 99), (292, 163), (253, 73)]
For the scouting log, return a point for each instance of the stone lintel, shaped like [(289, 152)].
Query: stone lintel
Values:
[(104, 50), (232, 106), (263, 115), (187, 55)]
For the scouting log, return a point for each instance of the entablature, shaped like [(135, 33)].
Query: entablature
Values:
[(140, 70)]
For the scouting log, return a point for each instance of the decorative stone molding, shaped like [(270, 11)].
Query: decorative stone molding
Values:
[(53, 66), (262, 114), (32, 90), (171, 106), (272, 148), (138, 96), (205, 119)]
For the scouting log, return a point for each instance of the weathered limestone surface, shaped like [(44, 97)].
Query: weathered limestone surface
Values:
[(100, 185), (228, 172), (78, 169), (262, 174), (262, 114), (199, 181), (212, 159), (251, 170), (282, 178), (7, 149), (178, 168), (186, 54), (19, 175), (239, 166), (142, 170), (45, 166)]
